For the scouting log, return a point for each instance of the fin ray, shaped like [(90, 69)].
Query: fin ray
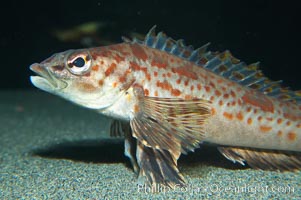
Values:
[(175, 125), (263, 159), (116, 129), (157, 167), (222, 63)]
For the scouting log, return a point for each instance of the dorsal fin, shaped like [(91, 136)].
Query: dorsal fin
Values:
[(222, 63)]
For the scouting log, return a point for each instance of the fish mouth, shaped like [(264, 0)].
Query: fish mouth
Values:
[(44, 79)]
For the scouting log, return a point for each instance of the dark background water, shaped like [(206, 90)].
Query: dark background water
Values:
[(254, 30)]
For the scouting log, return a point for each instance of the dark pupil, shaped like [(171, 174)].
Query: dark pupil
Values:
[(79, 62)]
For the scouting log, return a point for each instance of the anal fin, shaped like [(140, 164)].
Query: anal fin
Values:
[(263, 159)]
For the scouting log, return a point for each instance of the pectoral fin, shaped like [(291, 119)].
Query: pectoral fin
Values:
[(175, 125)]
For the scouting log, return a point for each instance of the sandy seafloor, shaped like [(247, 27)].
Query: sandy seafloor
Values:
[(52, 149)]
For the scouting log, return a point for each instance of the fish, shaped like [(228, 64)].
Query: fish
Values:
[(167, 98)]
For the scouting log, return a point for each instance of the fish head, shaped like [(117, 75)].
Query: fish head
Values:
[(77, 77)]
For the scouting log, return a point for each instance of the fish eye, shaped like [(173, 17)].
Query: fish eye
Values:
[(79, 64)]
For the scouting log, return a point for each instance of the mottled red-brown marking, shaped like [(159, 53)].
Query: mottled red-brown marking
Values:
[(249, 121), (164, 85), (156, 93), (111, 69), (291, 136), (100, 82), (290, 116), (146, 92), (202, 75), (188, 97), (239, 116), (219, 81), (87, 74), (116, 47), (178, 81), (136, 108), (259, 118), (58, 68), (159, 64), (232, 94), (123, 78), (185, 71), (217, 93), (226, 96), (118, 58), (95, 68), (212, 84), (228, 115), (249, 109), (138, 52), (103, 52), (230, 84), (175, 92), (167, 86), (213, 111), (155, 73), (207, 88), (199, 86), (279, 133), (87, 87), (137, 67), (258, 100), (192, 87), (148, 76), (265, 128), (186, 82), (94, 55)]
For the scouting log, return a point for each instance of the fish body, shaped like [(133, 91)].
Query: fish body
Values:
[(167, 99)]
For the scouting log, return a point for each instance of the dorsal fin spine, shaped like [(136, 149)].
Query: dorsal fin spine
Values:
[(160, 41), (223, 64)]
